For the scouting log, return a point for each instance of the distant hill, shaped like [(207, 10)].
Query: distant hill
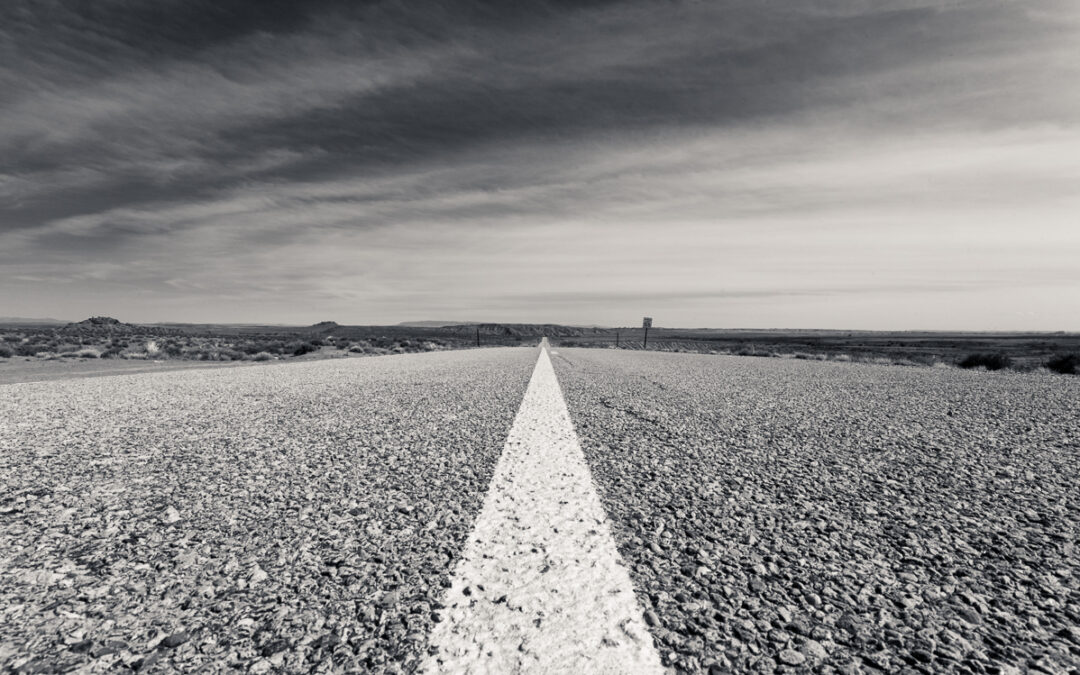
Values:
[(435, 324), (107, 325), (27, 321), (100, 321), (522, 330)]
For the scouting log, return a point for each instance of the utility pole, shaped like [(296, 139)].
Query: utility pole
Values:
[(478, 336), (616, 339), (645, 323)]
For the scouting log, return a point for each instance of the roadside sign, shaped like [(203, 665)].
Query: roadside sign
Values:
[(646, 322)]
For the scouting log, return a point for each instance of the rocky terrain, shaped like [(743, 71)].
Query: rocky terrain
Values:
[(793, 516), (288, 518)]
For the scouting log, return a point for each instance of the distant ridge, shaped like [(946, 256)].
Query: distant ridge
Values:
[(435, 324), (107, 325), (28, 321), (483, 324), (100, 321), (522, 329)]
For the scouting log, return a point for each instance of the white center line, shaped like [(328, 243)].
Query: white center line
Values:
[(540, 587)]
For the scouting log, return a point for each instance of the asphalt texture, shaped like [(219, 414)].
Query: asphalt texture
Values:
[(775, 515), (793, 516), (294, 518)]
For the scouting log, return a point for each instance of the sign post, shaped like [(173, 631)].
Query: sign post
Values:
[(646, 323)]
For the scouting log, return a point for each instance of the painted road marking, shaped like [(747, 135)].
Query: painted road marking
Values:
[(540, 587)]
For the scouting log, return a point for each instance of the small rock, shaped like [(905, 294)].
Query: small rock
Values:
[(171, 515), (258, 575), (922, 655), (392, 598), (799, 626), (791, 657), (813, 650), (175, 640), (1070, 633), (850, 668), (82, 646), (651, 618), (145, 662)]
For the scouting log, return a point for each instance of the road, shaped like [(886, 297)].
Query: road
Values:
[(261, 518), (783, 513), (772, 515)]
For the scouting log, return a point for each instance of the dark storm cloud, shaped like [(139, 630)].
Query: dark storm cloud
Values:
[(183, 132), (195, 96)]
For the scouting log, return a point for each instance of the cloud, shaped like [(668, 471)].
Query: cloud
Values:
[(378, 155)]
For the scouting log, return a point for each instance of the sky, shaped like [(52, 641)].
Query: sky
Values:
[(737, 163)]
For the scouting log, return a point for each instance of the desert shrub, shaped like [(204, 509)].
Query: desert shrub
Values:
[(173, 349), (6, 352), (270, 346), (113, 352), (152, 348), (262, 356), (1064, 363), (82, 354), (249, 347), (301, 348), (988, 361)]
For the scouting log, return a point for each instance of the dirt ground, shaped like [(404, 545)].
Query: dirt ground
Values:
[(29, 369)]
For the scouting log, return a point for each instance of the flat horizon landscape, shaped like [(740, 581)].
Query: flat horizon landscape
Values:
[(650, 337), (99, 345)]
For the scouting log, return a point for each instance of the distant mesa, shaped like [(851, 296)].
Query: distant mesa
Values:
[(521, 330), (100, 321), (325, 326), (106, 325), (435, 324), (99, 324)]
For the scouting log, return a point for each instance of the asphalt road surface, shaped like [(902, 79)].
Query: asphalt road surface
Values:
[(471, 511), (289, 517), (784, 514)]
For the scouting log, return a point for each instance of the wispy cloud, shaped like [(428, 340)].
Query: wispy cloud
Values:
[(372, 161)]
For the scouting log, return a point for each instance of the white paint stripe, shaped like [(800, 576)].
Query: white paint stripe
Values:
[(540, 588)]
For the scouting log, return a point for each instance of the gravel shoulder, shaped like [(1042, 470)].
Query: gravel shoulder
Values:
[(19, 370), (796, 516), (299, 518), (22, 370)]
